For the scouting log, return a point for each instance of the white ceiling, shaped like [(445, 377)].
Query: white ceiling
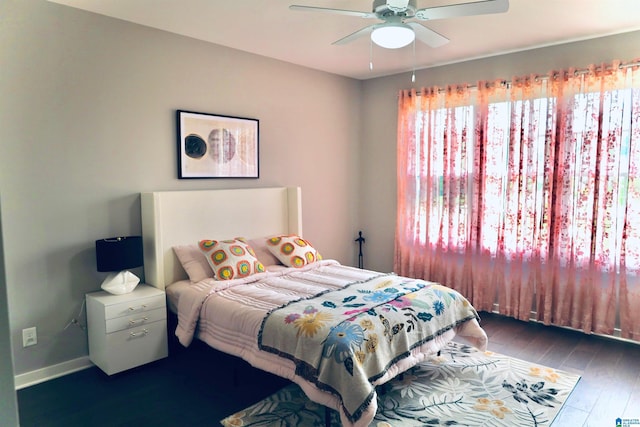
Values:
[(269, 28)]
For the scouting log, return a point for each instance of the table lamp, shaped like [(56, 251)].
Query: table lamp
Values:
[(117, 255)]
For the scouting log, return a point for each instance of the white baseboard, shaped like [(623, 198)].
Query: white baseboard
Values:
[(50, 372)]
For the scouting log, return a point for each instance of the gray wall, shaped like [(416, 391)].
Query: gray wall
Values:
[(8, 401), (87, 123), (380, 108)]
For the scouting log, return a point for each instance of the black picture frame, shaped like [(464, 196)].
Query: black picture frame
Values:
[(217, 146)]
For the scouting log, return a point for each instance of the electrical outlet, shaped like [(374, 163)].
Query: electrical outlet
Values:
[(29, 337)]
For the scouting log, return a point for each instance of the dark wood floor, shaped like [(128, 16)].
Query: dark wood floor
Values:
[(199, 386), (193, 387)]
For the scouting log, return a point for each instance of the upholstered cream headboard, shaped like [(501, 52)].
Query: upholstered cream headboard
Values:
[(172, 218)]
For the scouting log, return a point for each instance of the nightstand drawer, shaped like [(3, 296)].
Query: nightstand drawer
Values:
[(135, 320), (135, 347), (140, 305)]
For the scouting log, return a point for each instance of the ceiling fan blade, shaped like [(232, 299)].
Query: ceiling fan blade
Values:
[(334, 11), (462, 9), (351, 37), (427, 35)]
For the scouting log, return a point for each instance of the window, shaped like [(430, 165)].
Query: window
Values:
[(515, 189)]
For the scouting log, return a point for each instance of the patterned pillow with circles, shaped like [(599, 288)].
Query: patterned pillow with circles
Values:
[(230, 259), (293, 250)]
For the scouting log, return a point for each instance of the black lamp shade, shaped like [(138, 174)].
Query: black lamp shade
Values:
[(119, 253)]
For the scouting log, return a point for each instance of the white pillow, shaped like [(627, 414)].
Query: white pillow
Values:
[(193, 261), (230, 259), (293, 250)]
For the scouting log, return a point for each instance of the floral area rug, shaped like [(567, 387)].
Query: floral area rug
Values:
[(461, 387)]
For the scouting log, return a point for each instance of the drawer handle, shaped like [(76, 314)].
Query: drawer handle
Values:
[(136, 321), (138, 334), (141, 307)]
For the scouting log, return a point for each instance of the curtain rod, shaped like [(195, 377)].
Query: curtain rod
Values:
[(586, 70), (578, 71)]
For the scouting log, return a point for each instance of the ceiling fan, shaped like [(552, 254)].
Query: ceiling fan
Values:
[(399, 29)]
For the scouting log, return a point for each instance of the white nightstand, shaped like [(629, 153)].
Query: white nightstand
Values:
[(127, 330)]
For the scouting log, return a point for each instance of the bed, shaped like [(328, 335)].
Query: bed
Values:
[(337, 331)]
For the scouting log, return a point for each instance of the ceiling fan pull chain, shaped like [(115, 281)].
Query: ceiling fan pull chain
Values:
[(370, 54), (413, 72)]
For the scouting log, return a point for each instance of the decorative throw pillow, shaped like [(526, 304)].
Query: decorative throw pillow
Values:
[(193, 261), (230, 259), (293, 251)]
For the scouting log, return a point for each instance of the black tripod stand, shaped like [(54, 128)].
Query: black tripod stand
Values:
[(360, 241)]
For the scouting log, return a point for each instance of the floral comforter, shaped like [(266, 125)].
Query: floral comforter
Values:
[(334, 341), (342, 340)]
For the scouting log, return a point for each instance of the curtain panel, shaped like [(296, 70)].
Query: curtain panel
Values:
[(527, 195)]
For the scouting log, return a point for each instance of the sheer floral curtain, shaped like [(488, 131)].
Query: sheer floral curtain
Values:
[(527, 195)]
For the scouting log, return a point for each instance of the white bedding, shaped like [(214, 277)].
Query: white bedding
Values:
[(228, 316), (174, 291)]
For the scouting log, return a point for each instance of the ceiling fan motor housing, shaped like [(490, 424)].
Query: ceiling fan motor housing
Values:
[(394, 7)]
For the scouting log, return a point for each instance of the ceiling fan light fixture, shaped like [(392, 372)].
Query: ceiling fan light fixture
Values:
[(393, 36)]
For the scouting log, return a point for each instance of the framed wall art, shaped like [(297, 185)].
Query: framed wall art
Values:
[(214, 146)]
